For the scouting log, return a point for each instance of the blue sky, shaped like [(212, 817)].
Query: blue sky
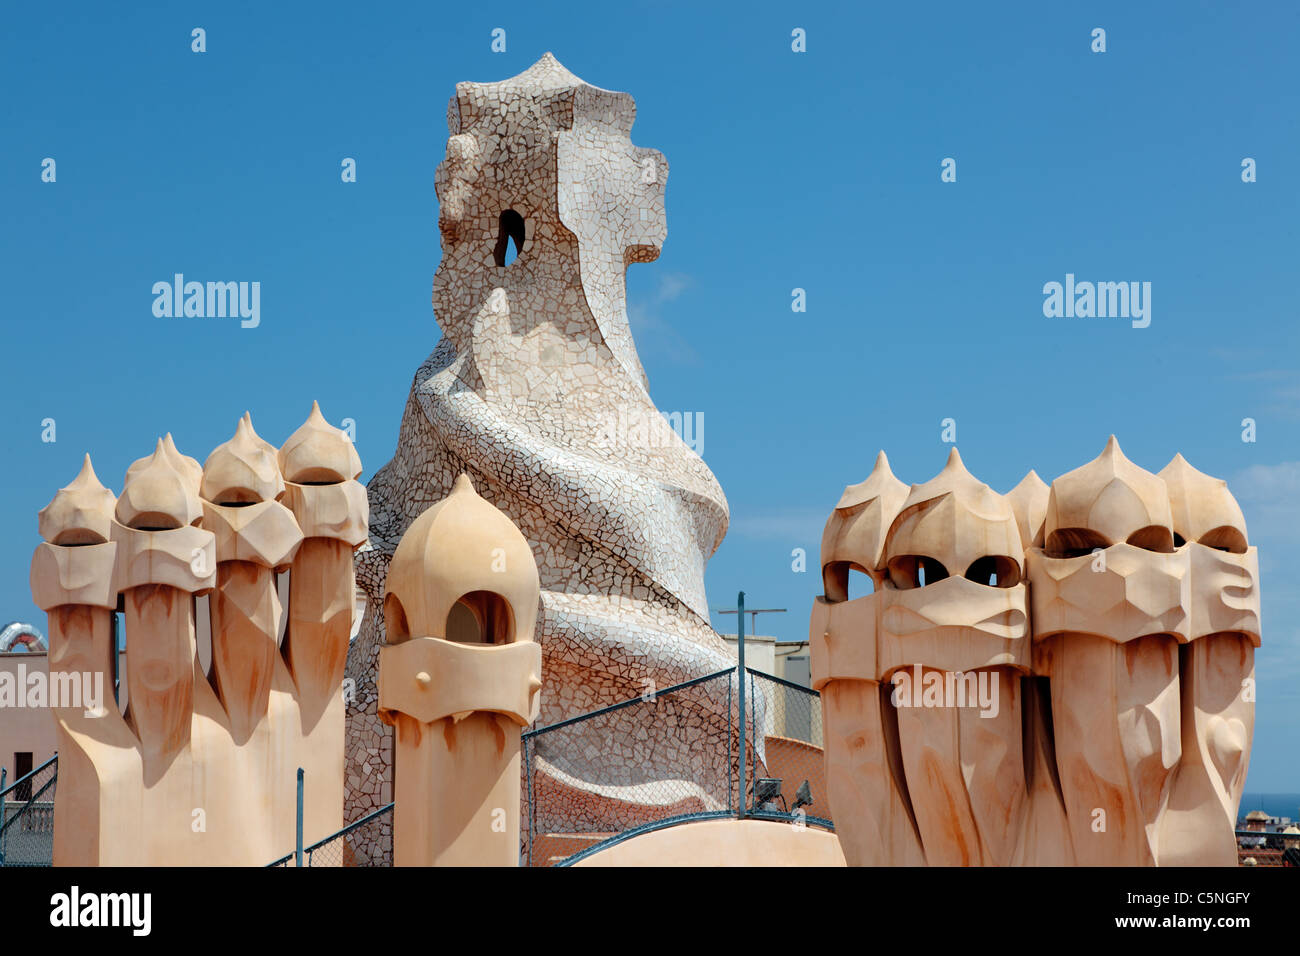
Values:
[(818, 170)]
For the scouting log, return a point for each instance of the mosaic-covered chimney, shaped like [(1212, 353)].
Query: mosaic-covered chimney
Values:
[(535, 390)]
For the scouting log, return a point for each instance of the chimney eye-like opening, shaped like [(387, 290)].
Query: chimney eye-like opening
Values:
[(395, 625), (1153, 538), (1074, 542), (238, 498), (153, 521), (844, 581), (510, 231), (994, 570), (480, 617), (1225, 539), (908, 571)]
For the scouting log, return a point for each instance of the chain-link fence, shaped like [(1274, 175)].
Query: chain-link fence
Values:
[(788, 726), (338, 850), (670, 757), (652, 761), (27, 817)]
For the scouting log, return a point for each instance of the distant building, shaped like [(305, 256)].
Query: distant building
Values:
[(27, 734), (794, 663), (27, 737), (1277, 842)]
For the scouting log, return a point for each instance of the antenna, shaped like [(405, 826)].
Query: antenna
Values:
[(753, 614)]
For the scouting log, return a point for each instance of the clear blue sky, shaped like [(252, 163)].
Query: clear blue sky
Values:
[(817, 170)]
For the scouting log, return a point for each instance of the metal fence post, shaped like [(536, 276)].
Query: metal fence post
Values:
[(298, 845), (740, 674)]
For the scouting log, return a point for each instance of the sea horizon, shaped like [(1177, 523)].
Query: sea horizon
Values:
[(1274, 804)]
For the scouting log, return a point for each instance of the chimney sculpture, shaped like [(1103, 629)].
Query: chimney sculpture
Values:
[(459, 678), (536, 392), (1109, 705), (72, 580), (1216, 670), (1110, 609), (320, 466), (864, 774), (201, 768)]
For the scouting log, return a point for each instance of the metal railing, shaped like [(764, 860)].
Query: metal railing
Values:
[(647, 763), (673, 757), (590, 781), (27, 817), (334, 850)]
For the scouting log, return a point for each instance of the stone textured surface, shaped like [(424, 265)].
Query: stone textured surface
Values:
[(536, 392), (1116, 610)]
